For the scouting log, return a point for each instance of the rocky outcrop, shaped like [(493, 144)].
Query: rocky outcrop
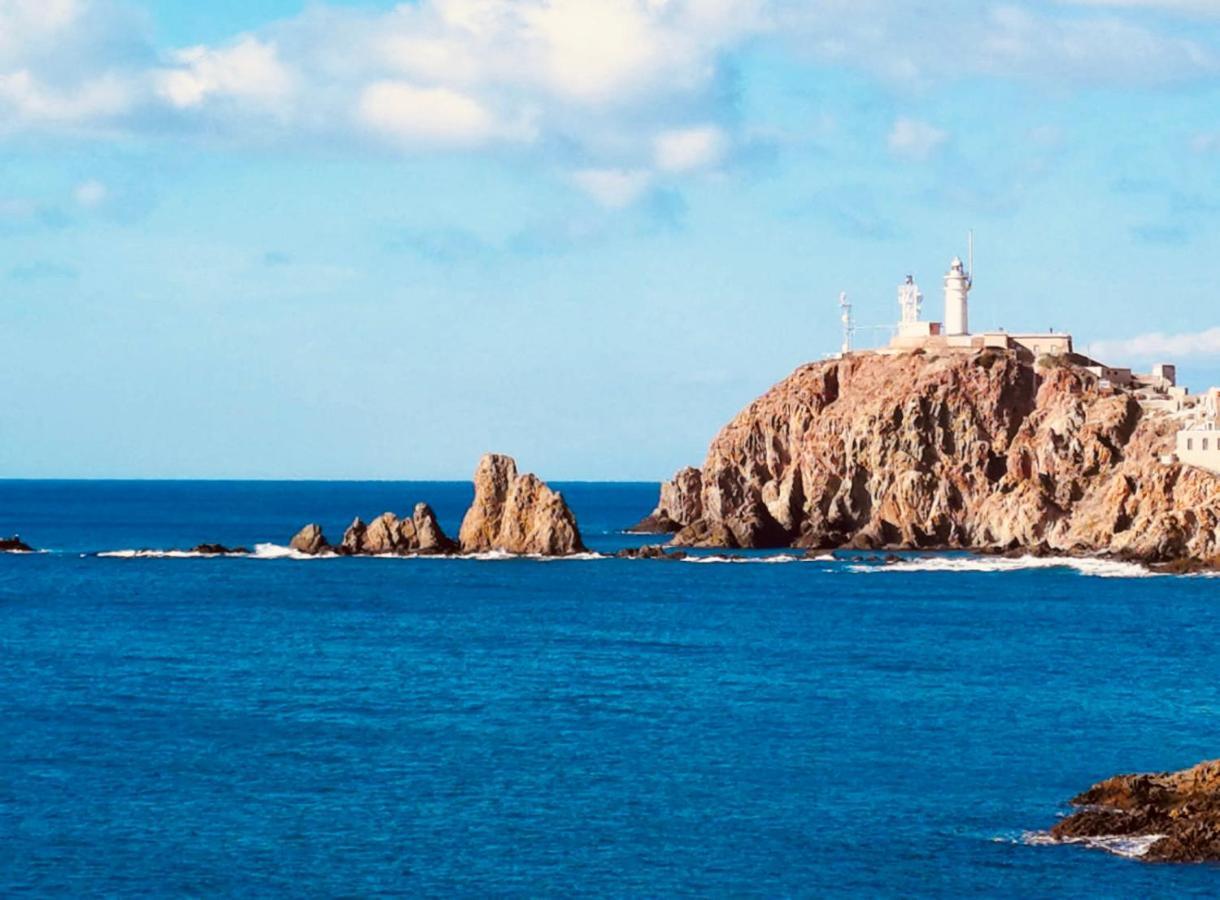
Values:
[(517, 514), (220, 550), (310, 540), (681, 503), (1182, 808), (14, 544), (976, 451), (389, 535)]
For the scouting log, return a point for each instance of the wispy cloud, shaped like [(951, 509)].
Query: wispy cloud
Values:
[(915, 140), (1160, 346)]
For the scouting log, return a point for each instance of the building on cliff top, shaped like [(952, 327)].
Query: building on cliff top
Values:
[(953, 334), (1198, 441)]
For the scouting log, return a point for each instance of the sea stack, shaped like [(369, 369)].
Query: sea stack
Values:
[(517, 514), (974, 450)]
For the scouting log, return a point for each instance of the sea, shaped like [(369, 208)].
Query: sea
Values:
[(746, 725)]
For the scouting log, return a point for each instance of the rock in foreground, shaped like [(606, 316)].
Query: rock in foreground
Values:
[(982, 451), (1182, 807), (14, 545), (517, 514)]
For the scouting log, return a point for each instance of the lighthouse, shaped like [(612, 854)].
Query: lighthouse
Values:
[(957, 292)]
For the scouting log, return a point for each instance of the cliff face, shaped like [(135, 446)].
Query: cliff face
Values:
[(977, 451), (517, 514)]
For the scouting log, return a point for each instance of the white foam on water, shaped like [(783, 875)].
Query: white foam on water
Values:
[(162, 554), (1091, 567), (764, 560), (1129, 846), (278, 551)]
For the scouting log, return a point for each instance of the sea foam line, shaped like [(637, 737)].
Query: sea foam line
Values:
[(1125, 845), (1094, 568)]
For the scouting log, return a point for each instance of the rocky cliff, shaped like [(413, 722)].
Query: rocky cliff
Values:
[(978, 451), (517, 514), (1177, 812)]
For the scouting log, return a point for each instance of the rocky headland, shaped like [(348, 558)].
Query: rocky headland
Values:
[(1179, 812), (511, 513), (981, 451)]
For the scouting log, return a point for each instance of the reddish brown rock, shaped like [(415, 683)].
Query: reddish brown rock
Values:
[(1182, 807), (975, 451), (310, 540), (387, 535), (517, 514), (681, 503)]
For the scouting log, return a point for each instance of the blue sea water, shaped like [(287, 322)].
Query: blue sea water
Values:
[(545, 728)]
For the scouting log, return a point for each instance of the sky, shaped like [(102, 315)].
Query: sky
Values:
[(284, 239)]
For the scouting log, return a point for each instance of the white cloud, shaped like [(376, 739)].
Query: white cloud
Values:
[(427, 114), (1160, 347), (613, 188), (915, 140), (1207, 8), (687, 149), (249, 70), (26, 98), (90, 194)]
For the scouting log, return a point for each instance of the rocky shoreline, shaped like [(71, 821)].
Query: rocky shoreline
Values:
[(1178, 813)]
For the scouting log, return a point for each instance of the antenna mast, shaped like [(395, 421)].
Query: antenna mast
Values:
[(849, 323), (970, 273)]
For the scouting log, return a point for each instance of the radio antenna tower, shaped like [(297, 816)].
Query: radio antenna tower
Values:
[(849, 323)]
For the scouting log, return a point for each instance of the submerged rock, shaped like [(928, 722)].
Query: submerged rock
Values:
[(979, 451), (14, 544), (650, 551), (1182, 808), (517, 514)]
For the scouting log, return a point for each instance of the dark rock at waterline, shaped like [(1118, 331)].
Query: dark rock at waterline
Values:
[(220, 550), (14, 544), (1183, 808), (650, 551)]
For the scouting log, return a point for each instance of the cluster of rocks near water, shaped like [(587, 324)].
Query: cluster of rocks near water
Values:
[(511, 513), (984, 451), (14, 544), (1179, 810)]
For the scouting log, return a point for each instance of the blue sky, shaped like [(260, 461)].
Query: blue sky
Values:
[(373, 240)]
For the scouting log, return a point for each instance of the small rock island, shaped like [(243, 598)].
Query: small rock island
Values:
[(511, 513)]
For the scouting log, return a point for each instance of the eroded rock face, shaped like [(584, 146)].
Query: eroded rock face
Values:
[(516, 514), (681, 504), (310, 540), (977, 451), (389, 535), (1183, 806)]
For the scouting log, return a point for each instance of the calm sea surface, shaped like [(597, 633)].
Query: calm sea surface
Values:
[(603, 727)]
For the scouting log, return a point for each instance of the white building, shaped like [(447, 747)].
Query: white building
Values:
[(1199, 440), (954, 334)]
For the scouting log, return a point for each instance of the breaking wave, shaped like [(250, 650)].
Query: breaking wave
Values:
[(163, 554), (1094, 568), (769, 560), (1125, 845)]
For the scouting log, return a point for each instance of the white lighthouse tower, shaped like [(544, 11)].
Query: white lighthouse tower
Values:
[(957, 295)]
